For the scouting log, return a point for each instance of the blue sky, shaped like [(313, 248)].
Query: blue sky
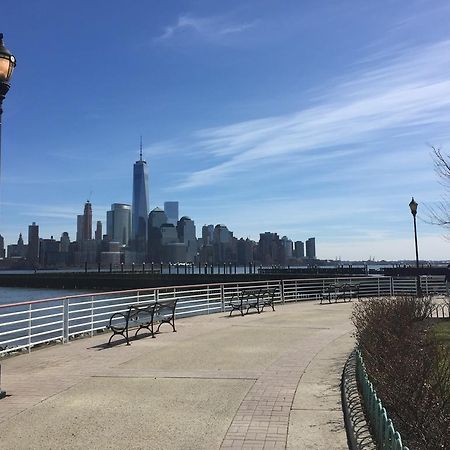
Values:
[(299, 117)]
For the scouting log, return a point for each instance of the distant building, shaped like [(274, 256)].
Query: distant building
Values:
[(118, 223), (311, 248), (33, 244), (299, 251), (2, 247), (175, 252), (64, 242), (287, 246), (186, 235), (80, 227), (223, 245), (86, 252), (207, 234), (269, 249), (156, 219), (140, 204), (168, 234), (98, 231), (87, 221), (18, 250), (49, 254), (171, 210), (245, 251)]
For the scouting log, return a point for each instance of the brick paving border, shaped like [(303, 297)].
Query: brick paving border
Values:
[(262, 420)]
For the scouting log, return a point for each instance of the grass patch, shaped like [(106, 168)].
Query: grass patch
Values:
[(441, 332)]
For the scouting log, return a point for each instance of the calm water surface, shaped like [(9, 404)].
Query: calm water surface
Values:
[(15, 295)]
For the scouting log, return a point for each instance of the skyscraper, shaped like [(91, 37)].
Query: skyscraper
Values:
[(207, 234), (156, 219), (311, 248), (2, 247), (80, 227), (186, 235), (299, 249), (140, 203), (87, 221), (33, 243), (171, 210), (118, 223), (98, 231)]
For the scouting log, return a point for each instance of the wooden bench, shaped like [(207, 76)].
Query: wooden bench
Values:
[(338, 291), (143, 316), (258, 298)]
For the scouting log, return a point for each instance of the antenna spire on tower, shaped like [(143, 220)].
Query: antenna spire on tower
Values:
[(140, 150)]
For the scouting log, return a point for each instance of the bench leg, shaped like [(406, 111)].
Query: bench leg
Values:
[(109, 342)]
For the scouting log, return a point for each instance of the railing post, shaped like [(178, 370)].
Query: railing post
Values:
[(65, 320), (378, 286), (2, 392), (222, 297), (92, 316), (281, 286), (29, 327)]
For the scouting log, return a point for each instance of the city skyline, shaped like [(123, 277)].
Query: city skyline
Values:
[(303, 119)]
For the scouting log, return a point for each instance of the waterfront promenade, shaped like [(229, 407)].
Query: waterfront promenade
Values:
[(263, 381)]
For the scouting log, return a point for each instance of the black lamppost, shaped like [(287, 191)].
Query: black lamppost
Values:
[(7, 64), (413, 206)]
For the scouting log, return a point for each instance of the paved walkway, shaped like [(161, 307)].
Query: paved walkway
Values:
[(263, 381)]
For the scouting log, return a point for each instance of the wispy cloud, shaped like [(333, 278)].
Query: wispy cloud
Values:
[(52, 211), (410, 89), (209, 28)]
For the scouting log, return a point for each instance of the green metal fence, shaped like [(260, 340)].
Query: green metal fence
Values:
[(382, 427)]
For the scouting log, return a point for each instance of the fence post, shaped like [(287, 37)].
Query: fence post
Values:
[(2, 392), (378, 286), (65, 320), (29, 328), (92, 316), (222, 297), (281, 285)]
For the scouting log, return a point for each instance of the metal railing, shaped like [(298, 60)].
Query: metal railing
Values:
[(382, 427), (27, 324)]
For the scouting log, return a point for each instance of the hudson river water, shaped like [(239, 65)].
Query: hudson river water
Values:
[(14, 295)]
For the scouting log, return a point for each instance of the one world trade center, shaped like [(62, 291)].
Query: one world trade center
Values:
[(140, 204)]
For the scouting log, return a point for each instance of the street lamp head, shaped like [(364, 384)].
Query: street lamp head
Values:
[(413, 206), (7, 62)]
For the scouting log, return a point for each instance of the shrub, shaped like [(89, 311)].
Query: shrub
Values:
[(409, 369)]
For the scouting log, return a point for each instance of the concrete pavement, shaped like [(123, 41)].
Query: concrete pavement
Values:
[(263, 381)]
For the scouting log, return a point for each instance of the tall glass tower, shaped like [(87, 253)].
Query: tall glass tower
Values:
[(140, 203)]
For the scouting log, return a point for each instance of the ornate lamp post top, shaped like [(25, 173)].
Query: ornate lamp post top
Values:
[(413, 206), (7, 62)]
